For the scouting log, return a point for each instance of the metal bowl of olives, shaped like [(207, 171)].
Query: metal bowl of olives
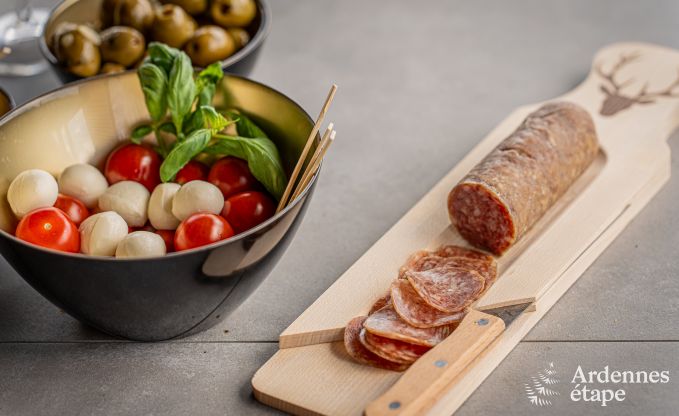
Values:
[(84, 38)]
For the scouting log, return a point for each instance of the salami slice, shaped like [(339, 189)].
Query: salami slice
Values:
[(357, 351), (391, 349), (511, 189), (380, 303), (456, 256), (386, 323), (447, 288), (415, 311)]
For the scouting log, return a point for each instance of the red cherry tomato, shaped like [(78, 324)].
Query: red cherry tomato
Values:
[(76, 210), (192, 171), (168, 237), (247, 209), (201, 229), (232, 175), (49, 227), (133, 162)]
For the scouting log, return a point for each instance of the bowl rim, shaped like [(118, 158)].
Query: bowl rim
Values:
[(251, 46), (18, 110)]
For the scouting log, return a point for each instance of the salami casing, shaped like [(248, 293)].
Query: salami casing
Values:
[(511, 189)]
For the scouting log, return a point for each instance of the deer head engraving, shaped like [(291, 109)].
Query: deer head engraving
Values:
[(616, 101)]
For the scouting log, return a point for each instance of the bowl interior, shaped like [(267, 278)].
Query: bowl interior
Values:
[(85, 120), (89, 12)]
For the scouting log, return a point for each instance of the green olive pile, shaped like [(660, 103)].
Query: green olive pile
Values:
[(207, 30)]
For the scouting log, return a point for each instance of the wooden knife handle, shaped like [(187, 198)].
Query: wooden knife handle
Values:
[(425, 382)]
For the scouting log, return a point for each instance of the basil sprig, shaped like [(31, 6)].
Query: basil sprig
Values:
[(170, 89)]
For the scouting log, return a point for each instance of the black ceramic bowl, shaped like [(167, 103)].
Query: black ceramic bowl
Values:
[(142, 299), (88, 12)]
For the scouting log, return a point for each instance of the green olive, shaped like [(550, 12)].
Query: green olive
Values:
[(192, 7), (240, 36), (137, 14), (173, 26), (122, 45), (209, 44), (229, 13), (111, 68), (78, 50)]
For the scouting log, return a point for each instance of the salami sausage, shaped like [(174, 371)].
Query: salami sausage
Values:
[(511, 189), (415, 311), (456, 256), (386, 323), (447, 288), (391, 349), (357, 351)]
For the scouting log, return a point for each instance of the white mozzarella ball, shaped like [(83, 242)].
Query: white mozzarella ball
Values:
[(32, 189), (160, 207), (101, 233), (83, 182), (197, 196), (141, 244), (129, 199)]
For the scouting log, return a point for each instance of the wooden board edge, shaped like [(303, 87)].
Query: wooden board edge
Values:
[(276, 403), (303, 339)]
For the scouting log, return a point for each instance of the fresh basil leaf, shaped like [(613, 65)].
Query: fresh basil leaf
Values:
[(183, 152), (206, 94), (206, 82), (140, 132), (181, 89), (245, 126), (162, 56), (262, 157), (215, 121), (206, 117), (154, 85), (168, 127)]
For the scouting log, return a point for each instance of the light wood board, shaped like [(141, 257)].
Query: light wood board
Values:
[(311, 374)]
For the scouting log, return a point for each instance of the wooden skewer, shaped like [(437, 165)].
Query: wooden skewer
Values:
[(309, 168), (307, 146), (316, 164)]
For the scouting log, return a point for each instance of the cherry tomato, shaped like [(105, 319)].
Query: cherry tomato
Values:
[(133, 162), (49, 227), (247, 209), (232, 175), (168, 237), (74, 208), (201, 229), (192, 171)]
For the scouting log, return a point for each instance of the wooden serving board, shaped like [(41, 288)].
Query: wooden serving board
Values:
[(632, 93)]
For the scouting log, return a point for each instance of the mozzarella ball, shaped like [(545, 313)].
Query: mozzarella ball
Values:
[(197, 196), (160, 207), (83, 182), (129, 199), (101, 233), (32, 189), (141, 244)]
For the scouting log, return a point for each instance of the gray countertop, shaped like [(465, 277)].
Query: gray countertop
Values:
[(420, 84)]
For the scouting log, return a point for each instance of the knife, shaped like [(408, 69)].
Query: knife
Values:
[(428, 378)]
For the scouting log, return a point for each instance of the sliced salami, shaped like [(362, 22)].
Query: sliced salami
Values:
[(391, 349), (455, 256), (380, 303), (511, 189), (386, 323), (415, 311), (447, 288), (357, 351)]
